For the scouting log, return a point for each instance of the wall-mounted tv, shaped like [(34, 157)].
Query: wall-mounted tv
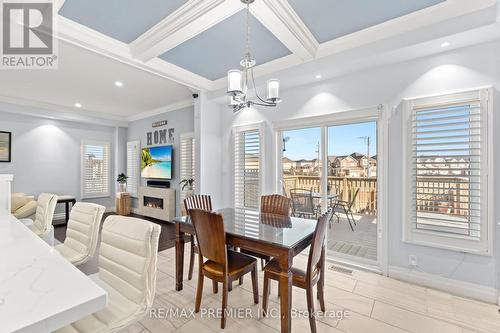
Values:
[(156, 162)]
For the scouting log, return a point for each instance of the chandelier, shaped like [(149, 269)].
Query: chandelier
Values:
[(238, 80)]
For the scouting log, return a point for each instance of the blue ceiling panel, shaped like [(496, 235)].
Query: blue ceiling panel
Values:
[(213, 52), (124, 20), (330, 19)]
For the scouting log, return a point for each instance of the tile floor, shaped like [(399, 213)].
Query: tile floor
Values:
[(371, 303)]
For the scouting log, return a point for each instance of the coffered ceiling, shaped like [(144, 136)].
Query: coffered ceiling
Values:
[(195, 42), (163, 50)]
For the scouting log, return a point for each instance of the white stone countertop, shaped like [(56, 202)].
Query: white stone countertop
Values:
[(40, 291)]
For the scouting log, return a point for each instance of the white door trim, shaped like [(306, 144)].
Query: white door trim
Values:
[(378, 114)]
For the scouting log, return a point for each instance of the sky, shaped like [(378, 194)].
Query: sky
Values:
[(342, 140)]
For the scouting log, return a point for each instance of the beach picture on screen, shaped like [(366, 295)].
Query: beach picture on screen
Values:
[(5, 146), (156, 162)]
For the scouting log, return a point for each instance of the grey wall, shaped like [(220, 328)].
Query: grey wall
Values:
[(182, 121), (46, 154)]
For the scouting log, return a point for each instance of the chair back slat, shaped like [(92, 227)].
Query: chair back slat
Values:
[(275, 204), (210, 234), (317, 242), (198, 201)]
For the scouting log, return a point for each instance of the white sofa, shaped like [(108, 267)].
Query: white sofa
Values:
[(23, 206)]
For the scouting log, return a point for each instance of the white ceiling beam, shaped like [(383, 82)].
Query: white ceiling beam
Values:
[(94, 41), (280, 18), (191, 19)]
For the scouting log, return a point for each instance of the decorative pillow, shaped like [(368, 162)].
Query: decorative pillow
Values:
[(17, 201)]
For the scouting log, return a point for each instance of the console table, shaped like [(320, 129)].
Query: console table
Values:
[(66, 199)]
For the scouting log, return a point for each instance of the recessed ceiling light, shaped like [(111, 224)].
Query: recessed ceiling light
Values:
[(78, 105), (119, 83), (318, 76), (445, 44)]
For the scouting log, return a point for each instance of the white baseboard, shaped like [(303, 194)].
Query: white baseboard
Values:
[(456, 287)]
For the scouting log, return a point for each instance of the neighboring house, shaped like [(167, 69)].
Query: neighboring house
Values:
[(353, 165)]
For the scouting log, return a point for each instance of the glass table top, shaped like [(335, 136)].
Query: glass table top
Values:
[(270, 228)]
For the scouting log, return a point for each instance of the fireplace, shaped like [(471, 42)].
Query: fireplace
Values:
[(152, 202), (155, 202)]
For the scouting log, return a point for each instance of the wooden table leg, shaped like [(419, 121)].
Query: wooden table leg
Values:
[(179, 257), (285, 286)]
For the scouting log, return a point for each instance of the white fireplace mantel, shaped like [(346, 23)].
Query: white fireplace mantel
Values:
[(167, 198), (5, 190)]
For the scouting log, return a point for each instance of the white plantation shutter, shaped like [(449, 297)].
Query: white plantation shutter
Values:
[(95, 169), (447, 166), (133, 167), (187, 160), (247, 171)]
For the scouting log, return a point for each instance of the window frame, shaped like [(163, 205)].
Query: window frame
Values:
[(187, 136), (453, 242), (260, 127), (137, 168), (85, 195)]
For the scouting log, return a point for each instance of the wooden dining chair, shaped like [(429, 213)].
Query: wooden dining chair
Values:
[(276, 204), (223, 265), (196, 201), (314, 274)]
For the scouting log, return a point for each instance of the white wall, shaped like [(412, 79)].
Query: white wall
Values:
[(46, 155), (182, 121), (456, 70), (210, 150)]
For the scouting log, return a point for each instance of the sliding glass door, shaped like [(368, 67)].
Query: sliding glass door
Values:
[(334, 166), (352, 178)]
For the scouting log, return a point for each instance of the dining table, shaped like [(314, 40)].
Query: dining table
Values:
[(280, 237)]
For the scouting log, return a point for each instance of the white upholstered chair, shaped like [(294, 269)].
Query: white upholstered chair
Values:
[(42, 225), (82, 232), (127, 271)]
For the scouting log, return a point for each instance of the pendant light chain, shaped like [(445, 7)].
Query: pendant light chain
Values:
[(245, 78), (248, 30)]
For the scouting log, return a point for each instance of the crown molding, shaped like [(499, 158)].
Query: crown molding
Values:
[(438, 13), (191, 19), (168, 108), (94, 41), (284, 23), (38, 109)]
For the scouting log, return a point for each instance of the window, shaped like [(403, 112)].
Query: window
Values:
[(95, 169), (187, 161), (133, 167), (247, 161), (446, 171)]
